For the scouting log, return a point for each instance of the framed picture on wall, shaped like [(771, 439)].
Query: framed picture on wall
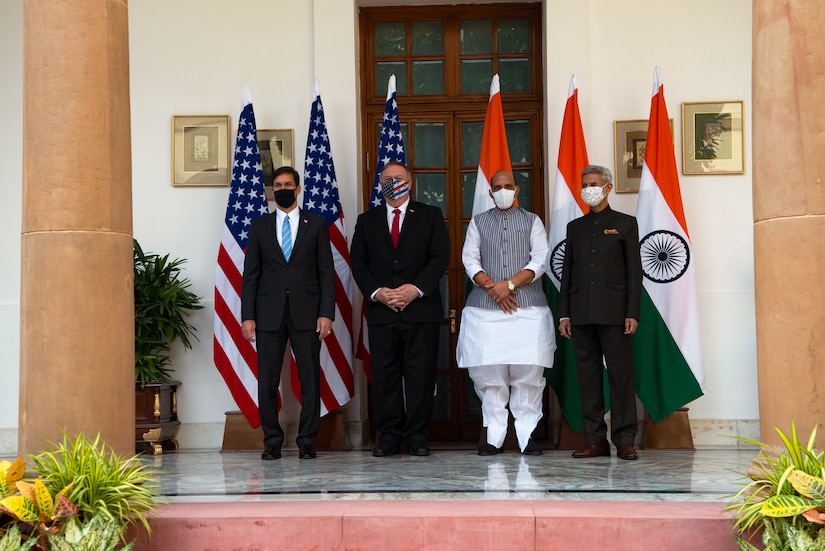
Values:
[(629, 142), (200, 150), (713, 139), (277, 150)]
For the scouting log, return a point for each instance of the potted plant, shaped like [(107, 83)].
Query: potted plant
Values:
[(84, 497), (783, 496), (163, 303)]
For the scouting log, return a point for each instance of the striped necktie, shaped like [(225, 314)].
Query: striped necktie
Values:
[(286, 239)]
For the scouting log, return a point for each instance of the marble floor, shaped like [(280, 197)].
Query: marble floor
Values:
[(704, 475)]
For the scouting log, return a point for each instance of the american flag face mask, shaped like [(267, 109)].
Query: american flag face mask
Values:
[(395, 189)]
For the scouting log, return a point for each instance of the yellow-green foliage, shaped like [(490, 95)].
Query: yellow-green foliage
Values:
[(99, 481), (783, 494), (35, 505), (812, 496), (10, 473)]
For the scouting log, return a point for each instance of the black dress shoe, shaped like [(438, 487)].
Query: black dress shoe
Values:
[(384, 451), (532, 448), (593, 450), (271, 453), (307, 451), (420, 451), (626, 451), (489, 449)]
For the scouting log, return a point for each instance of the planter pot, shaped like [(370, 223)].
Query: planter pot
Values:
[(156, 417)]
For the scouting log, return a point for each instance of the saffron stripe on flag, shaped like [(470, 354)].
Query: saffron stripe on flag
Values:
[(495, 154)]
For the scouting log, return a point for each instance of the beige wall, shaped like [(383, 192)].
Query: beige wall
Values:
[(192, 57)]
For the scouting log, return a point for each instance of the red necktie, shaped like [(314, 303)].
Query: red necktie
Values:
[(395, 232)]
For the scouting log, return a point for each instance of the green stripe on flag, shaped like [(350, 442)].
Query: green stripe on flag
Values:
[(664, 380), (562, 377)]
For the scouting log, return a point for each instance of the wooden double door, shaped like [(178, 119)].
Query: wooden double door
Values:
[(443, 58)]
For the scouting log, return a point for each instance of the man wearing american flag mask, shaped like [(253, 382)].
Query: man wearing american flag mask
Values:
[(399, 253)]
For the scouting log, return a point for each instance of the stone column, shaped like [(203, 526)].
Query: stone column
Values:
[(789, 214), (76, 300)]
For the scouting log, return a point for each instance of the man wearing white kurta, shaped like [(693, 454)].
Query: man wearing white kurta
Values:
[(507, 337)]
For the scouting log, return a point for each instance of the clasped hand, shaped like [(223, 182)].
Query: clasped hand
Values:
[(398, 298), (502, 295)]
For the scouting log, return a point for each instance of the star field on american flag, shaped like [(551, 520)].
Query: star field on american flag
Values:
[(247, 199), (390, 145), (321, 197), (320, 186)]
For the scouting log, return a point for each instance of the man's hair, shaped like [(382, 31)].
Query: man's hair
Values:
[(603, 172), (397, 163), (288, 170)]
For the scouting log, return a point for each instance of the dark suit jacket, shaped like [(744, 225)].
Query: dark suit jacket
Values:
[(309, 276), (602, 273), (421, 258)]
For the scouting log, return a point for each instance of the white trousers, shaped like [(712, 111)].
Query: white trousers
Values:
[(521, 386)]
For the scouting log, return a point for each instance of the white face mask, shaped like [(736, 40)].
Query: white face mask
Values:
[(504, 198), (593, 195)]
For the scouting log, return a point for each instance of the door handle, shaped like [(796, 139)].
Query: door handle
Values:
[(451, 317)]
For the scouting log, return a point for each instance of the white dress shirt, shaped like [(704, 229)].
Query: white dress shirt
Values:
[(294, 216)]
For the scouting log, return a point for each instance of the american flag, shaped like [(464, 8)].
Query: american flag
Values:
[(321, 197), (235, 357), (390, 148)]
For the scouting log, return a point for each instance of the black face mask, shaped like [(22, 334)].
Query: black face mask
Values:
[(285, 198)]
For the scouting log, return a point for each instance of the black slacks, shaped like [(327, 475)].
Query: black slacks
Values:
[(403, 409), (591, 343), (307, 349)]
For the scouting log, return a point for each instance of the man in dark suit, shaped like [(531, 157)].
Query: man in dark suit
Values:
[(399, 253), (599, 303), (288, 293)]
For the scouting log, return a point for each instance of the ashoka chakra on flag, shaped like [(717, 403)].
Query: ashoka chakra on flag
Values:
[(665, 256)]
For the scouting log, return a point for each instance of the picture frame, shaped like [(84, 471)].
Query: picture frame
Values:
[(277, 150), (713, 138), (629, 141), (200, 150)]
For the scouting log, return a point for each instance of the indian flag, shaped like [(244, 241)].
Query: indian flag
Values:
[(667, 352), (567, 205), (495, 155)]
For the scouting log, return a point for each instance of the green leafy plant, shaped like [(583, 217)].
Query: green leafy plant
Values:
[(15, 540), (98, 534), (84, 498), (100, 482), (163, 303), (784, 494)]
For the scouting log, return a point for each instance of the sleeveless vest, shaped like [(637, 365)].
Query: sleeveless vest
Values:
[(504, 241)]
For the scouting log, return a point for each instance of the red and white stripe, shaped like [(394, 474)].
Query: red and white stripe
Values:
[(337, 387), (235, 357)]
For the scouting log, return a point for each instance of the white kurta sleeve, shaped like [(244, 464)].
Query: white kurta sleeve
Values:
[(471, 252)]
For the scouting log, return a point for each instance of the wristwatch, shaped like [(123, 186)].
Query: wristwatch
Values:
[(511, 286)]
